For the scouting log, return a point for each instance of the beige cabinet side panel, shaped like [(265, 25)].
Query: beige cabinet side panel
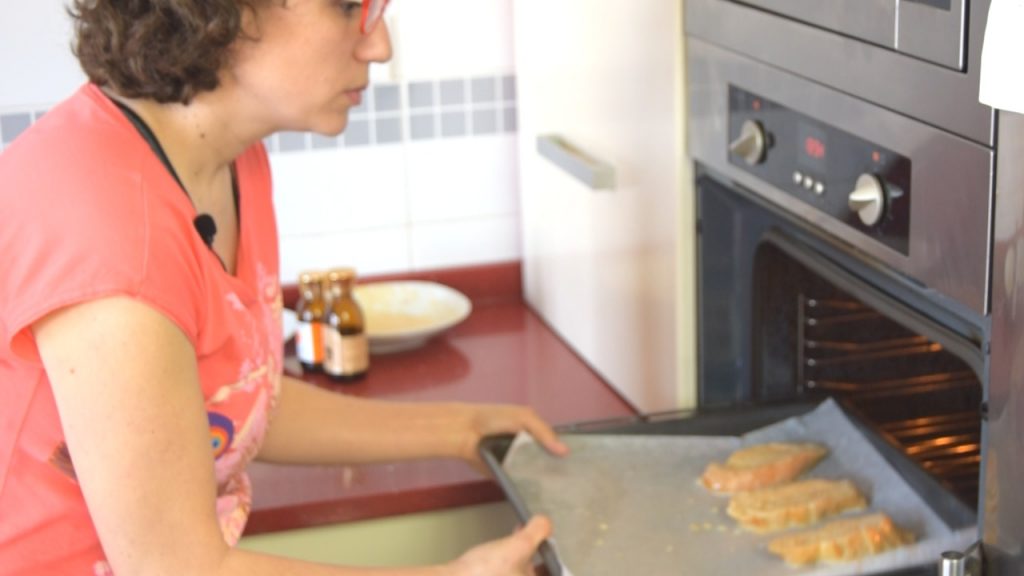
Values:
[(610, 270)]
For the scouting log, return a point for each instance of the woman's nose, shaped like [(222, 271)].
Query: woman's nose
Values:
[(376, 46)]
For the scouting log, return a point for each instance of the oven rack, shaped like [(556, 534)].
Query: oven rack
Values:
[(919, 396)]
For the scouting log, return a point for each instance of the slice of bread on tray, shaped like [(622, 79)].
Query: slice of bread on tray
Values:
[(797, 504), (761, 465), (842, 540)]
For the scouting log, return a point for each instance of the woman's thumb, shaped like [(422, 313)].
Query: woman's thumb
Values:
[(536, 531)]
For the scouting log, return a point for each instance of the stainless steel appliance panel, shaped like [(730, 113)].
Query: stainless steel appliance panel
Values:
[(948, 245), (933, 30), (870, 20), (1003, 467), (936, 95)]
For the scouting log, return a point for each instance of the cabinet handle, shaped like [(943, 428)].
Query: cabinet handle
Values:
[(594, 173)]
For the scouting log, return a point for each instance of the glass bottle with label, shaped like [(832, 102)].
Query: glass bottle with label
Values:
[(346, 350), (311, 311)]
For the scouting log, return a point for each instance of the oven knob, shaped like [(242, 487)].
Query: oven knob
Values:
[(751, 143), (868, 199)]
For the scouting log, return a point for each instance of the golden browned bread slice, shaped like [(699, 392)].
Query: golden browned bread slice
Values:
[(842, 540), (761, 465), (800, 503)]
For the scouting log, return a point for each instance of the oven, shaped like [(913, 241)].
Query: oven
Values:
[(933, 30), (861, 234)]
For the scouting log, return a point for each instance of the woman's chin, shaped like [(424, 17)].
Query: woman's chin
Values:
[(332, 131), (330, 126)]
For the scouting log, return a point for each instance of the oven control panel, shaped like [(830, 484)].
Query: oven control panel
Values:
[(857, 182)]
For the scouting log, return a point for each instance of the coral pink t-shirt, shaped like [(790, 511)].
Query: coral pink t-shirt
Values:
[(89, 211)]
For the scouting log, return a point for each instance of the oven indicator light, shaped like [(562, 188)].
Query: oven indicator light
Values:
[(756, 105), (814, 147), (876, 156)]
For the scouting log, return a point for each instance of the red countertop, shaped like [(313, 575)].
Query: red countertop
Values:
[(502, 353)]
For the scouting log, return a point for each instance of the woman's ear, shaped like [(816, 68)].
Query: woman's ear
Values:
[(249, 19)]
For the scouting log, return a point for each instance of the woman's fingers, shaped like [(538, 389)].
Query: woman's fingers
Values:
[(545, 434), (498, 419), (510, 556)]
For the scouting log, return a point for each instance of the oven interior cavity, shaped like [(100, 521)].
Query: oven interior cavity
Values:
[(814, 340)]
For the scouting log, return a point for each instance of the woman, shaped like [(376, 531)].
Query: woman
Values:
[(140, 303)]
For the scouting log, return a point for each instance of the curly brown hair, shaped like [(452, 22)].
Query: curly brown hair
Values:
[(164, 50)]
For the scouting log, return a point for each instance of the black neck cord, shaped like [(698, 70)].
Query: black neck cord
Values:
[(204, 224)]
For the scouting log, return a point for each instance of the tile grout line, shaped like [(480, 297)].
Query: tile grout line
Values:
[(307, 142), (407, 183), (408, 225)]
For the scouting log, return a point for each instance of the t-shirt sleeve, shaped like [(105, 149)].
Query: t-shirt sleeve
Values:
[(89, 231)]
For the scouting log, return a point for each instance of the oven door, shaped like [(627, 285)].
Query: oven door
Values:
[(932, 30)]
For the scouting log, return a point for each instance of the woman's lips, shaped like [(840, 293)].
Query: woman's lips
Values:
[(355, 96)]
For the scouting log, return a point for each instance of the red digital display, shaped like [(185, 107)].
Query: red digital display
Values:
[(814, 148)]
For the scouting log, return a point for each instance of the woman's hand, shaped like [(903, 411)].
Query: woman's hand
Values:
[(510, 556), (486, 420)]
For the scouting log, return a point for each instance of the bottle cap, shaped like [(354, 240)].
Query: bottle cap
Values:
[(341, 274), (309, 277)]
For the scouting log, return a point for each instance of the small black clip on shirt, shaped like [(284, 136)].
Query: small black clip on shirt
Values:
[(206, 227)]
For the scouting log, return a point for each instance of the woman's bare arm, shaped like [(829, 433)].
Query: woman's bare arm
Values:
[(126, 386), (316, 426)]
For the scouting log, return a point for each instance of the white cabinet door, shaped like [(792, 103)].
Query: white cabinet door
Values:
[(602, 267)]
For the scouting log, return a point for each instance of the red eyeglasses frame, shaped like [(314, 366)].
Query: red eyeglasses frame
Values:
[(373, 11)]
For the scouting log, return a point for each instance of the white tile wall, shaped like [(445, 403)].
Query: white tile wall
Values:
[(383, 207), (414, 206), (419, 204), (36, 64), (324, 191), (370, 251), (464, 242), (463, 178)]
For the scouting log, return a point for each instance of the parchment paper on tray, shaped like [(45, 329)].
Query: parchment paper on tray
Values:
[(626, 504)]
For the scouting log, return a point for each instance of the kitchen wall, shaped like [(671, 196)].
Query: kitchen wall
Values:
[(424, 177)]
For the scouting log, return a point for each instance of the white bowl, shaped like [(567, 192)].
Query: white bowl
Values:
[(403, 315)]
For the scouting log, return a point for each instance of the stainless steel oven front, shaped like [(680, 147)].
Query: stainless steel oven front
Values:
[(933, 30), (851, 238)]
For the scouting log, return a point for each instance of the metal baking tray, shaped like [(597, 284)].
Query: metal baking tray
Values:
[(731, 422)]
